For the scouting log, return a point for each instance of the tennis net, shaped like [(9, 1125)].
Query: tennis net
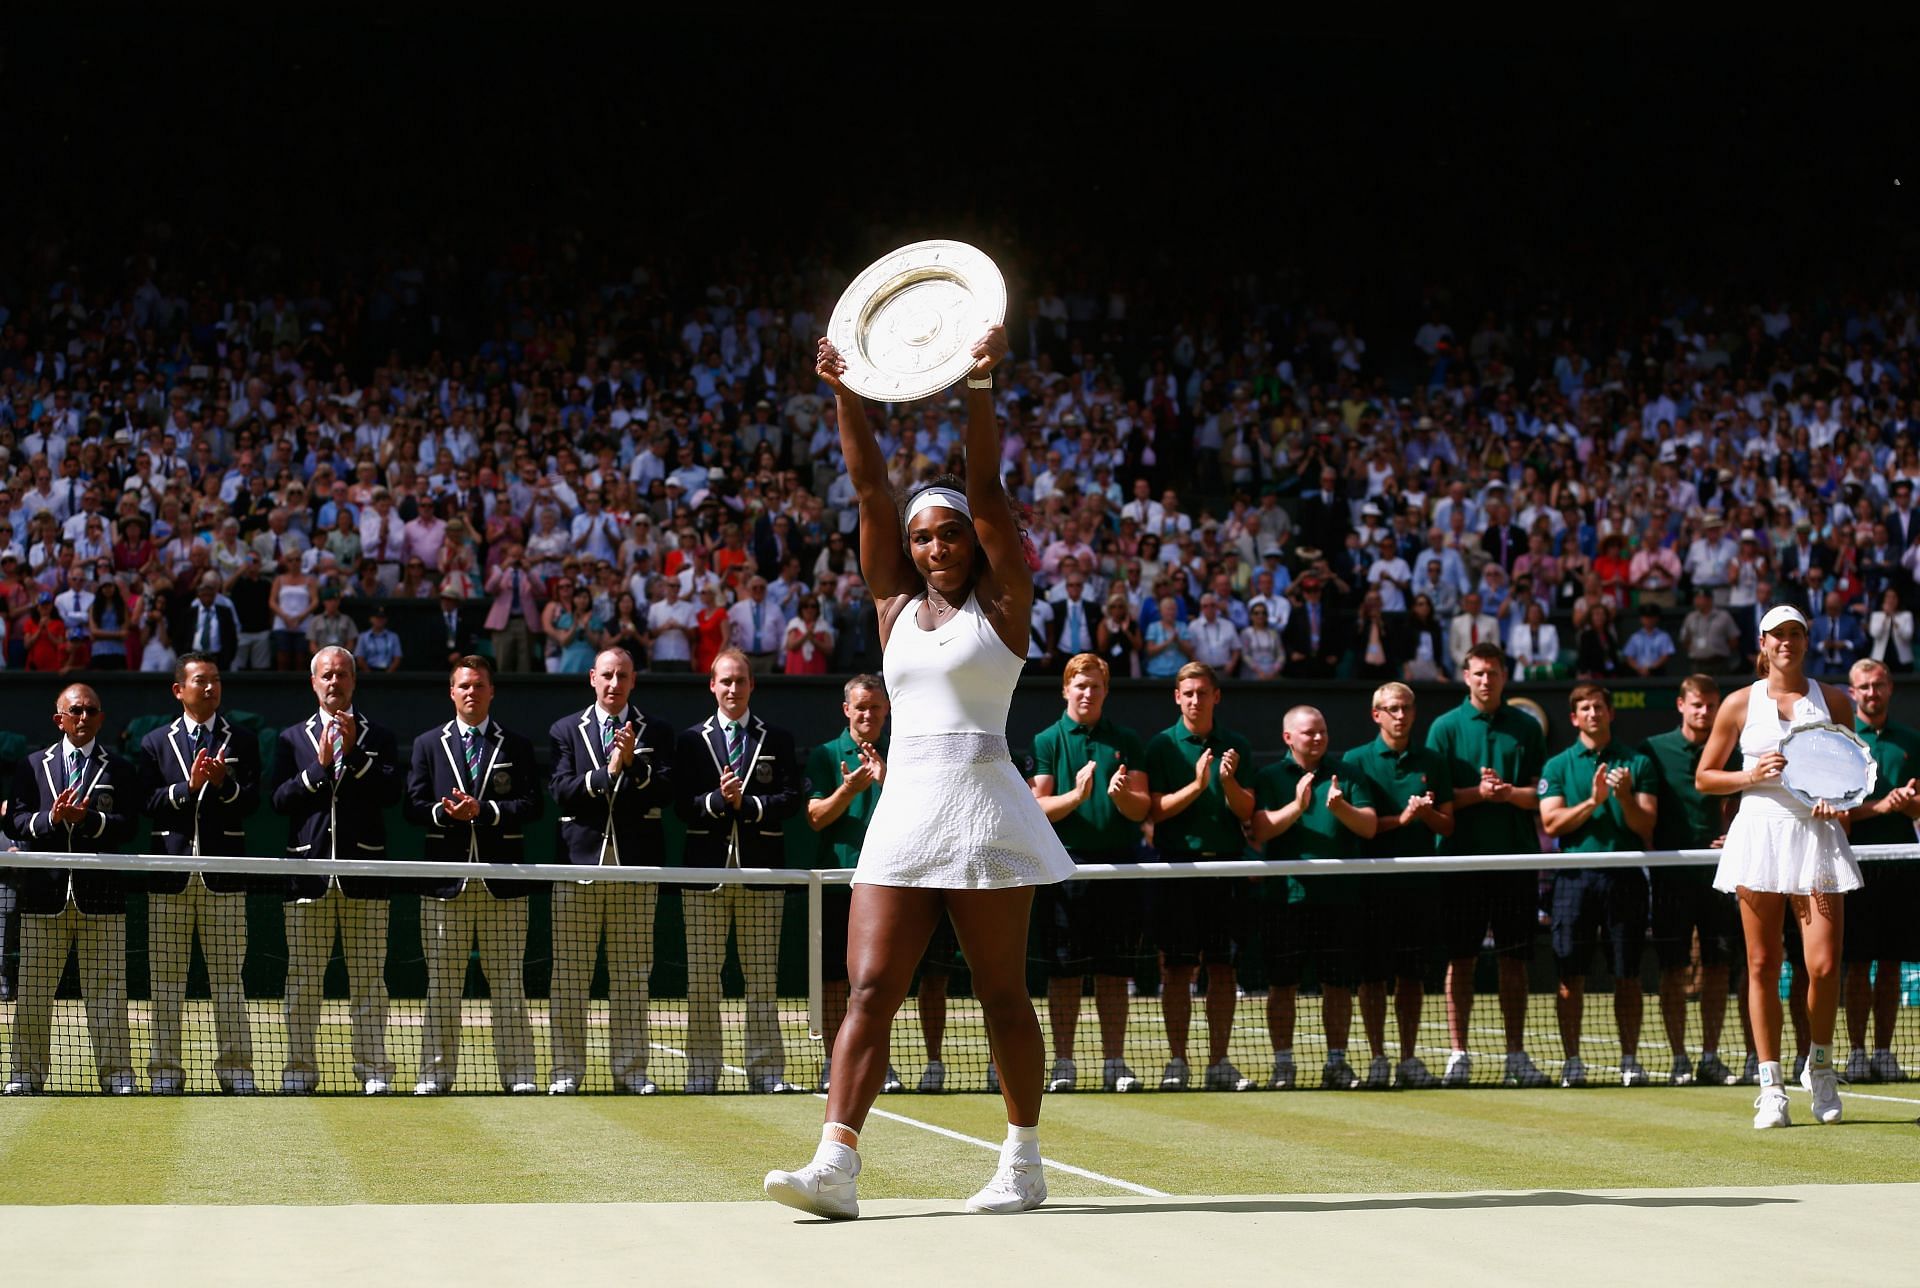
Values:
[(155, 973)]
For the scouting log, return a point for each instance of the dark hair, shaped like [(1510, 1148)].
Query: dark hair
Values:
[(1485, 651), (192, 658), (1581, 692), (472, 662)]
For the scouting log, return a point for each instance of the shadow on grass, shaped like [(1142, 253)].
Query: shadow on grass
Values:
[(1421, 1202)]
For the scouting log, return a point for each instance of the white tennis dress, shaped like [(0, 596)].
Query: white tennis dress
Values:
[(1775, 843), (955, 814)]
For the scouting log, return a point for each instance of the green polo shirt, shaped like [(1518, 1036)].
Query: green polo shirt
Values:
[(1318, 834), (841, 839), (1512, 744), (1569, 776), (1207, 826), (1396, 776), (1062, 749), (1687, 819), (1896, 750)]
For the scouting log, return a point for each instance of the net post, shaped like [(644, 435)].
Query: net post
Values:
[(816, 982)]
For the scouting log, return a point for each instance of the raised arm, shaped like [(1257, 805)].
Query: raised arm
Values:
[(883, 552), (1008, 584)]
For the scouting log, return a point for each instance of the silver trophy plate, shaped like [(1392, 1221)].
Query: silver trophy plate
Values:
[(1827, 764), (908, 324)]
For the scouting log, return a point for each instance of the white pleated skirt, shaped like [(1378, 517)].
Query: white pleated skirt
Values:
[(1775, 845), (954, 814)]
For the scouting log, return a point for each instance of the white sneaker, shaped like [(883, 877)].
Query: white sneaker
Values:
[(1574, 1072), (1459, 1070), (933, 1078), (1750, 1071), (1771, 1109), (376, 1087), (891, 1083), (1886, 1067), (562, 1086), (1681, 1074), (1338, 1075), (1824, 1084), (122, 1084), (424, 1087), (1379, 1073), (1064, 1076), (17, 1087), (1522, 1072), (819, 1188), (1019, 1185), (521, 1088), (772, 1085), (1174, 1076), (1284, 1076), (1117, 1075), (1711, 1072), (1224, 1077), (1413, 1072), (1631, 1074), (1859, 1068), (639, 1084), (702, 1085)]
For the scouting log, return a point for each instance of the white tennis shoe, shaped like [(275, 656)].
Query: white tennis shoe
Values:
[(1712, 1072), (1574, 1072), (1631, 1072), (1459, 1070), (1065, 1076), (1770, 1110), (891, 1083), (376, 1087), (1523, 1072), (1681, 1074), (1174, 1077), (1338, 1075), (1222, 1076), (1018, 1185), (1824, 1084), (562, 1086), (1117, 1075), (819, 1188)]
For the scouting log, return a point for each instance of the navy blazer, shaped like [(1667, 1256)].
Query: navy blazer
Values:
[(328, 819), (595, 807), (774, 793), (509, 793), (112, 787), (215, 816), (1852, 641)]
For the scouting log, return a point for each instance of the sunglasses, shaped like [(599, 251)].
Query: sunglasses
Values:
[(82, 712)]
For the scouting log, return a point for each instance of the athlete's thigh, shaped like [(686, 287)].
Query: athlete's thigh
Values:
[(887, 932), (992, 929)]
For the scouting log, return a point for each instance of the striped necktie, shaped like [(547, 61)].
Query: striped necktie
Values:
[(339, 745), (606, 736), (472, 739), (75, 760), (736, 747)]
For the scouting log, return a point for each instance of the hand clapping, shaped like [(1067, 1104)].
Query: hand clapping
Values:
[(460, 807)]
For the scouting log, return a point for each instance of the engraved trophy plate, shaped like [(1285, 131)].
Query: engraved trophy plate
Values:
[(1827, 763), (908, 324)]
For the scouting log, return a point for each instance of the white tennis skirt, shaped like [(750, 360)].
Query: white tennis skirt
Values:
[(1776, 846), (955, 814)]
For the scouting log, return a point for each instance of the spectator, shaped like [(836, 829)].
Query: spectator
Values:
[(1469, 628), (669, 626), (1836, 640), (1654, 573), (1418, 643), (1709, 638), (1262, 655), (291, 600), (1313, 639), (1118, 637), (1372, 660), (1648, 650), (573, 631), (331, 628), (809, 643), (1599, 649), (1167, 646), (379, 648), (1534, 645), (1213, 638), (1890, 631)]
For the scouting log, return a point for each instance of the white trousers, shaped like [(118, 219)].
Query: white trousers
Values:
[(754, 916), (362, 928), (448, 929), (253, 651), (101, 943), (623, 912), (221, 920)]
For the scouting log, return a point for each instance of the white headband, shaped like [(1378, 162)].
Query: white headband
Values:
[(944, 496)]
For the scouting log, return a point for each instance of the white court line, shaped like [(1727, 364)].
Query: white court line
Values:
[(1058, 1166)]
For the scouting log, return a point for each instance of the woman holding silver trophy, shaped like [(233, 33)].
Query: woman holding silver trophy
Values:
[(1803, 770), (956, 829)]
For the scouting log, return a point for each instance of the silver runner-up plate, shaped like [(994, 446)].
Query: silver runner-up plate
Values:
[(908, 324), (1827, 764)]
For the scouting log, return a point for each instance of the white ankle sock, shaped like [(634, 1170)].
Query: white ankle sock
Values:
[(1023, 1135), (1820, 1056), (836, 1154), (1770, 1073)]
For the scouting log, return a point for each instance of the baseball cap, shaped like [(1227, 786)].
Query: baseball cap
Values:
[(1779, 615)]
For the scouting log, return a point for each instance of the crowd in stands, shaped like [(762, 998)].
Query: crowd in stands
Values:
[(255, 468)]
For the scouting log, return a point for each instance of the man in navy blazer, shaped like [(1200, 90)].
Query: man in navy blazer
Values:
[(1836, 640), (612, 776), (472, 785), (333, 774), (199, 783), (735, 783), (74, 797)]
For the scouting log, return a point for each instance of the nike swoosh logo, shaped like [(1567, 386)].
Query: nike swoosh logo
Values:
[(946, 640)]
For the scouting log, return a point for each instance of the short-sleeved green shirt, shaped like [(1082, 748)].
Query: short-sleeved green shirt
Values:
[(1397, 776), (1510, 743), (1569, 776), (1318, 834), (1688, 820), (1896, 750), (1207, 826), (841, 839), (1061, 750)]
